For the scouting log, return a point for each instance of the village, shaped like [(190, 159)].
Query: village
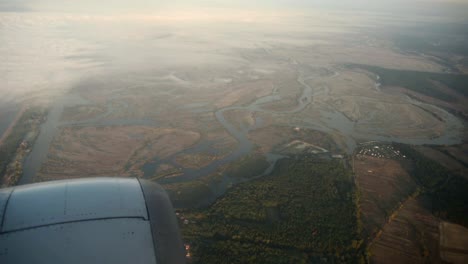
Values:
[(379, 150)]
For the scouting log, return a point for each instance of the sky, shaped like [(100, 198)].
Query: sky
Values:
[(157, 6), (50, 44)]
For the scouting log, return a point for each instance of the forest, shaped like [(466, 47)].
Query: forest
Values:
[(248, 167), (446, 194), (434, 38), (422, 82), (303, 212)]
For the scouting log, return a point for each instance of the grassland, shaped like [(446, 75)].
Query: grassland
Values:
[(113, 150)]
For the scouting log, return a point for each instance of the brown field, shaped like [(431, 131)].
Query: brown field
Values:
[(410, 236), (108, 151), (383, 184), (399, 228), (453, 243)]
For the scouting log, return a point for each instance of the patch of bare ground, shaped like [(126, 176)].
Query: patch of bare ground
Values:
[(458, 106), (164, 168), (204, 122), (448, 162), (241, 119), (223, 142), (245, 92), (195, 161), (109, 151), (82, 112), (267, 138), (453, 243), (334, 52), (410, 236), (285, 104), (355, 95), (383, 184), (167, 143)]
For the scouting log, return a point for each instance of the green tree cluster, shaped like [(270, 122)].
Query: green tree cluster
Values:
[(303, 212)]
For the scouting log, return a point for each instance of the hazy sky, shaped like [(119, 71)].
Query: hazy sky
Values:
[(52, 49), (155, 6)]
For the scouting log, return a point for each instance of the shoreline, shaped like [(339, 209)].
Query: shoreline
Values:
[(13, 123)]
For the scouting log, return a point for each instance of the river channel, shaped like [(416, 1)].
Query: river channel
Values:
[(330, 122)]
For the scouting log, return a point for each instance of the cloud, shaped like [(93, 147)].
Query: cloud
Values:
[(13, 6), (431, 7)]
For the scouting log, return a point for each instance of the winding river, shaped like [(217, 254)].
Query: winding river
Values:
[(330, 121)]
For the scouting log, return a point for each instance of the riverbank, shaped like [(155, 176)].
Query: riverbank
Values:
[(18, 143), (9, 118)]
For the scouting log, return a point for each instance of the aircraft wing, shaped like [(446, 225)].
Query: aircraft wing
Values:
[(98, 220)]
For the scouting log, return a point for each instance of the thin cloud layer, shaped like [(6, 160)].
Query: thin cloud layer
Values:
[(432, 7)]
